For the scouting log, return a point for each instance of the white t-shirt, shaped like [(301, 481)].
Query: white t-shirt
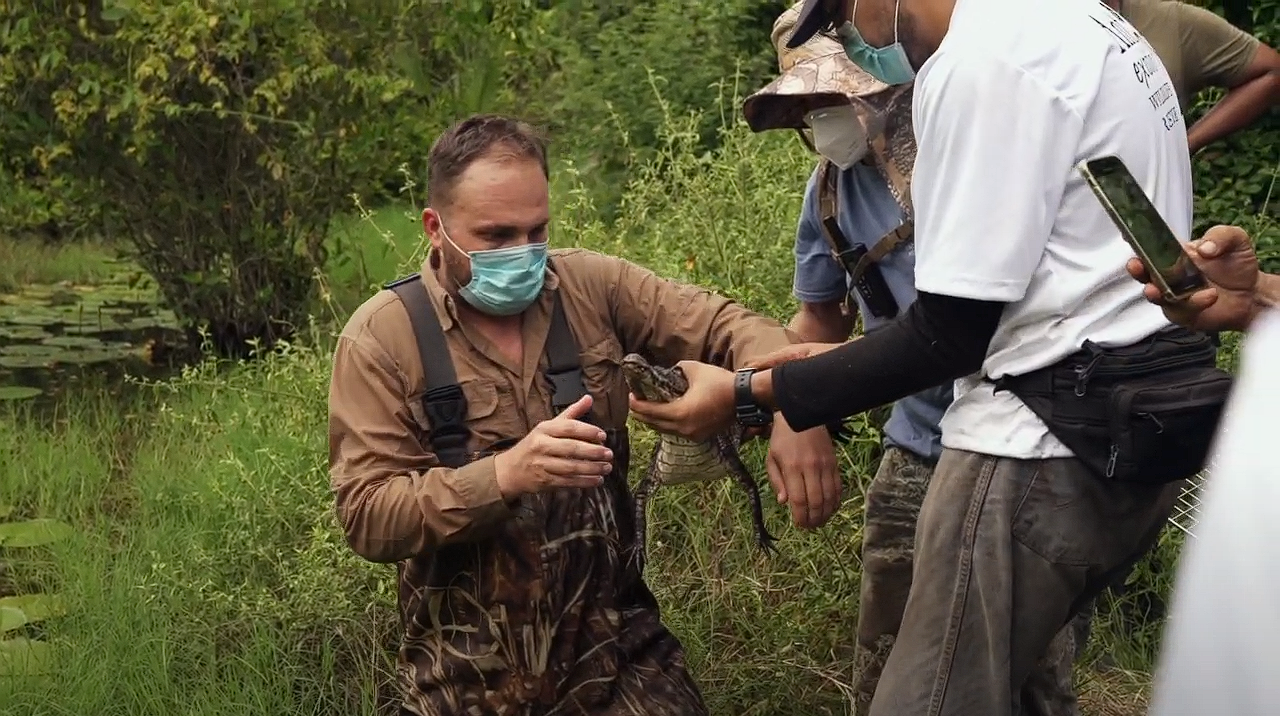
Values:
[(1218, 655), (1018, 94)]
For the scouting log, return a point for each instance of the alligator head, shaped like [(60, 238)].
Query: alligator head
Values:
[(652, 382)]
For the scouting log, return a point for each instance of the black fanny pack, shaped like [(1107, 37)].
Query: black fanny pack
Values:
[(1147, 412)]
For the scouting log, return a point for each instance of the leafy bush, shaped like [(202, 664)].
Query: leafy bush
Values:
[(221, 137)]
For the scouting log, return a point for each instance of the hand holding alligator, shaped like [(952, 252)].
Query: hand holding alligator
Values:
[(705, 409), (561, 452)]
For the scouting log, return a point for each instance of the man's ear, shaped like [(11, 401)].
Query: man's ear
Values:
[(431, 226)]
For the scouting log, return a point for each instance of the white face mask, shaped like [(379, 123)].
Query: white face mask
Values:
[(838, 135)]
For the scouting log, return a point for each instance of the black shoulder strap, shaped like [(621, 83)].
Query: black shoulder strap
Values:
[(443, 402), (855, 259), (564, 366), (828, 210)]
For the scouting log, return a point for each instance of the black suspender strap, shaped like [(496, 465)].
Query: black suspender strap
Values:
[(564, 366), (443, 402)]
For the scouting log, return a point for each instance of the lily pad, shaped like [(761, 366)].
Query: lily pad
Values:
[(35, 607), (25, 361), (72, 342), (23, 333), (17, 392), (33, 533), (36, 319), (91, 328), (142, 323), (25, 657), (11, 618), (31, 349), (91, 356)]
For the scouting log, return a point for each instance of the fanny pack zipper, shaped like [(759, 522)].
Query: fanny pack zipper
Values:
[(1086, 371)]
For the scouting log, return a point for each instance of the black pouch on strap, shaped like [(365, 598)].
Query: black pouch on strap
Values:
[(1145, 413)]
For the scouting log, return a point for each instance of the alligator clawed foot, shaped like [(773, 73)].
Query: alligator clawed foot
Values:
[(766, 543), (636, 560)]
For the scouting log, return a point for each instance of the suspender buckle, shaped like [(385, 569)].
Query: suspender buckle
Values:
[(446, 410), (566, 387)]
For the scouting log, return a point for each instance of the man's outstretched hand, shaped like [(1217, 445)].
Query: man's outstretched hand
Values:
[(1226, 258)]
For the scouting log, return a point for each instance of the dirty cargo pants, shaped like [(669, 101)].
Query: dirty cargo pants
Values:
[(892, 507), (1006, 552)]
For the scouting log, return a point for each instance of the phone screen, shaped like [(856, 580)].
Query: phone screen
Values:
[(1145, 224)]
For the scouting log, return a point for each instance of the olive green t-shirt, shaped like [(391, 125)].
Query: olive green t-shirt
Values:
[(1198, 48)]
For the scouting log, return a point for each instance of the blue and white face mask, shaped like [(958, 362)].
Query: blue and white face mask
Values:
[(888, 64), (506, 281)]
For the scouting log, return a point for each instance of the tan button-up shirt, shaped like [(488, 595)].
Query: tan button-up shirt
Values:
[(507, 606), (392, 502)]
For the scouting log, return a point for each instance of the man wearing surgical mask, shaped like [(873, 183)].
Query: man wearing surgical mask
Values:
[(477, 439), (861, 188)]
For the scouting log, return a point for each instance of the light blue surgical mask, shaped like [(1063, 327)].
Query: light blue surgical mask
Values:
[(888, 64), (504, 282)]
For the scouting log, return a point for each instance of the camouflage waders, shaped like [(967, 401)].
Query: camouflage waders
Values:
[(544, 618), (548, 615)]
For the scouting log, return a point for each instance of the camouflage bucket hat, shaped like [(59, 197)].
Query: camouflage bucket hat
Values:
[(819, 74)]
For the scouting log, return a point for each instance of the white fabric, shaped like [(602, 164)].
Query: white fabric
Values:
[(1219, 653), (1019, 93)]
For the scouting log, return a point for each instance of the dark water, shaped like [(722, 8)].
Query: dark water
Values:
[(60, 338)]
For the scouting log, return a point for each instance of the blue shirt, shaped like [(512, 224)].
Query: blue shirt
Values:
[(868, 212)]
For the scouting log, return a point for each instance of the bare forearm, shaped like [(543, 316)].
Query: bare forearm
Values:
[(827, 325), (1237, 110)]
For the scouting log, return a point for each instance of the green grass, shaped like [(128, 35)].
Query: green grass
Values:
[(29, 261), (208, 576), (366, 249)]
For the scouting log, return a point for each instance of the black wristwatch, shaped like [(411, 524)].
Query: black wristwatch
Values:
[(748, 411)]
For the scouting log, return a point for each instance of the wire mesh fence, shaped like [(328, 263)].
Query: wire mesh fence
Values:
[(1186, 511)]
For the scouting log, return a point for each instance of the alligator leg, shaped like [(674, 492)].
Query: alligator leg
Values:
[(728, 452), (641, 497)]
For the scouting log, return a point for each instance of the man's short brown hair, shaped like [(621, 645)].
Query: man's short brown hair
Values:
[(474, 137)]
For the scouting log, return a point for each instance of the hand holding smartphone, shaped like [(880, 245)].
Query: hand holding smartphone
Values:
[(1141, 225)]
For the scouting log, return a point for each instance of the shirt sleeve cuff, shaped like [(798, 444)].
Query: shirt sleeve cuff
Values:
[(476, 485), (808, 296)]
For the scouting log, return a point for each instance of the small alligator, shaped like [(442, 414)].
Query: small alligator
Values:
[(678, 460)]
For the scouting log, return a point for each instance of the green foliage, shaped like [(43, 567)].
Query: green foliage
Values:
[(218, 136), (1237, 180), (206, 573), (612, 58), (222, 137)]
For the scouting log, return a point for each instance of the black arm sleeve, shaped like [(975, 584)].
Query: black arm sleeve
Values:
[(939, 338)]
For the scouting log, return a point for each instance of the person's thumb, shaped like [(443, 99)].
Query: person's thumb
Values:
[(1208, 248), (1222, 239), (578, 409)]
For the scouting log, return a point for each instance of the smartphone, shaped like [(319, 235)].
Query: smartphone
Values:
[(1168, 265)]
